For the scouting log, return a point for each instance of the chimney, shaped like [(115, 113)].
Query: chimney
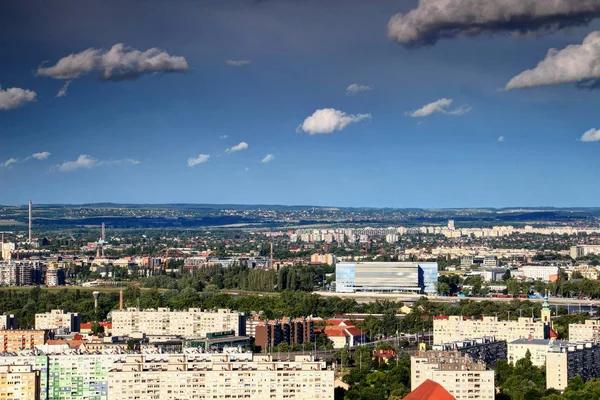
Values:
[(121, 300), (29, 221)]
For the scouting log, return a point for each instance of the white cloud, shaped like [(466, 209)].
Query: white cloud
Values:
[(501, 139), (356, 88), (238, 147), (15, 97), (439, 106), (223, 137), (247, 169), (202, 158), (118, 63), (571, 64), (41, 156), (237, 63), (436, 19), (8, 163), (85, 161), (63, 90), (38, 156), (268, 158), (593, 135), (328, 120)]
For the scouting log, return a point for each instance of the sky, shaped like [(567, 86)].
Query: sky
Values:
[(431, 103)]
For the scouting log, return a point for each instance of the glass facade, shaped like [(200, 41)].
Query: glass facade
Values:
[(428, 277), (386, 277)]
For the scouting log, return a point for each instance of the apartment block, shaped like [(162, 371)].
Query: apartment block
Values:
[(58, 320), (459, 374), (564, 362), (458, 328), (291, 331), (194, 322), (8, 321), (219, 376), (587, 331), (486, 349), (13, 341), (19, 382), (538, 348), (80, 377), (584, 250)]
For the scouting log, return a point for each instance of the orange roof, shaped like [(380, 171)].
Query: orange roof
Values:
[(429, 390)]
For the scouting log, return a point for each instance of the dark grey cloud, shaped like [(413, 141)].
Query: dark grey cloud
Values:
[(117, 64), (437, 19)]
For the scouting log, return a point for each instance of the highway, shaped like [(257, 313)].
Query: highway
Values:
[(409, 298)]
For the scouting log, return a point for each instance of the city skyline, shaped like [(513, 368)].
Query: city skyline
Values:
[(299, 102)]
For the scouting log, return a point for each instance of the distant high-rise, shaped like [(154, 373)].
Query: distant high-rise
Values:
[(30, 204), (451, 224)]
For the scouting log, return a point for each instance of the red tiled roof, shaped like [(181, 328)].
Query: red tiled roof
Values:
[(553, 334), (429, 390), (354, 331), (335, 332)]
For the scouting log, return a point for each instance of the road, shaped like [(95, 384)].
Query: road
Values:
[(409, 298)]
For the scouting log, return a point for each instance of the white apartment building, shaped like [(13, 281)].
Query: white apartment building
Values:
[(538, 348), (584, 250), (58, 319), (459, 375), (542, 272), (219, 376), (457, 328), (587, 331), (194, 322), (567, 361)]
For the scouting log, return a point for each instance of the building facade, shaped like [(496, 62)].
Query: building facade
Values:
[(459, 374), (8, 321), (13, 341), (587, 331), (219, 376), (194, 322), (457, 328), (19, 382), (386, 277), (268, 334), (58, 320), (486, 349), (564, 362), (584, 250)]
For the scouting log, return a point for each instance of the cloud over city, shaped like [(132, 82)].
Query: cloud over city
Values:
[(15, 97), (574, 63), (119, 63), (357, 88), (238, 147), (85, 161), (439, 106), (268, 158), (200, 159), (433, 20), (593, 135), (328, 120), (35, 156), (237, 63)]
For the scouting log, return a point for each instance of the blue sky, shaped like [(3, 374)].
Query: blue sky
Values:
[(139, 134)]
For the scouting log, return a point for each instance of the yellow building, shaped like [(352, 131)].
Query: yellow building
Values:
[(19, 382), (13, 341)]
